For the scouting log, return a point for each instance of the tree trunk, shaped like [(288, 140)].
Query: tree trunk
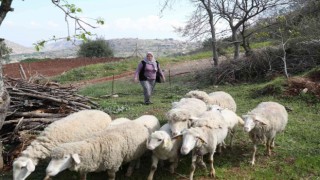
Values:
[(4, 105), (236, 44), (5, 7), (207, 5), (214, 44)]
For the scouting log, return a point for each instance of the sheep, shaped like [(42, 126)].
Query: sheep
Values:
[(163, 148), (230, 118), (74, 127), (263, 123), (202, 140), (220, 98), (106, 151), (149, 121), (118, 121), (208, 119), (153, 124), (179, 116)]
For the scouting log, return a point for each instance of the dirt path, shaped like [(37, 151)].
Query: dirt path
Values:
[(175, 69)]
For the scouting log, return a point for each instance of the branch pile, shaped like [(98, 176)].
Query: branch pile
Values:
[(34, 104)]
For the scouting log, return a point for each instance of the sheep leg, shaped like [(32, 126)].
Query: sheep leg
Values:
[(130, 168), (155, 161), (254, 154), (138, 164), (83, 176), (193, 165), (232, 131), (111, 174), (212, 170), (174, 164), (219, 152), (270, 145), (47, 178), (201, 163)]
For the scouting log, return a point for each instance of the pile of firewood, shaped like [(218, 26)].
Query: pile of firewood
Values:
[(34, 104)]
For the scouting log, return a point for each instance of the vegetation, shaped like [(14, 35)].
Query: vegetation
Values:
[(4, 51), (115, 68), (28, 60), (95, 48), (296, 155)]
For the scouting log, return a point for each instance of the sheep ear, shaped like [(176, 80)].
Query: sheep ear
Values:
[(259, 119), (177, 136), (165, 142), (30, 166), (244, 116), (202, 140), (192, 120), (76, 158)]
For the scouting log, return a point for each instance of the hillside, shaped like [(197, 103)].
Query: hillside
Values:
[(18, 49), (122, 48)]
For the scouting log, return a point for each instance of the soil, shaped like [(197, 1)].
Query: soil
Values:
[(55, 67), (51, 67)]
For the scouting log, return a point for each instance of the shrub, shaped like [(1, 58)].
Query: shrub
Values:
[(95, 48)]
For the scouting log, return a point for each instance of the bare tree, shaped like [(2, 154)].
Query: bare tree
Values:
[(4, 98), (238, 12), (70, 11), (201, 24)]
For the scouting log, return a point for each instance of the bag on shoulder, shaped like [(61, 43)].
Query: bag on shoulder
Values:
[(159, 78)]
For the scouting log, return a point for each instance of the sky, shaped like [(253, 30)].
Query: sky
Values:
[(35, 20)]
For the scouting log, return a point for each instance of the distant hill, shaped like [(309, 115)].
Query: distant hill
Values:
[(17, 48), (122, 48)]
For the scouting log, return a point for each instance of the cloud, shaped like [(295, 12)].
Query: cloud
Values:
[(9, 23), (53, 24), (149, 23), (34, 24)]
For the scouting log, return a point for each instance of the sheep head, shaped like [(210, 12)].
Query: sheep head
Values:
[(178, 119), (251, 121), (57, 165), (23, 167), (158, 138), (191, 139)]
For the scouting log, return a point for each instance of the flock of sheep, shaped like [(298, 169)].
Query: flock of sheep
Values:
[(90, 141)]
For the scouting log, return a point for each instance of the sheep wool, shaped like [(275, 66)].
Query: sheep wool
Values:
[(263, 123), (74, 127), (164, 148), (179, 116), (220, 98), (108, 150)]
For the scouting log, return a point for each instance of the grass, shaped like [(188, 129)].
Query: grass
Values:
[(297, 151), (108, 69)]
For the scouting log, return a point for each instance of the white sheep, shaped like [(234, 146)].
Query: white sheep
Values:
[(74, 127), (118, 121), (203, 140), (220, 98), (106, 151), (149, 121), (163, 148), (263, 123), (179, 116), (209, 119), (230, 118)]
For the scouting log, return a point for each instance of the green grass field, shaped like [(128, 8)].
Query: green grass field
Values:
[(297, 151)]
